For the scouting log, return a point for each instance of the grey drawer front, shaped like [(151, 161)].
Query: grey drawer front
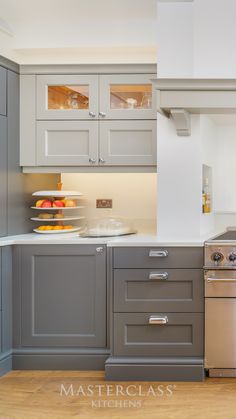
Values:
[(138, 257), (0, 280), (0, 331), (181, 336), (181, 291), (3, 91)]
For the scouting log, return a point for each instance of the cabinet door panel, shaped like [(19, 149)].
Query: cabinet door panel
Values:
[(128, 143), (67, 96), (173, 290), (181, 336), (127, 96), (63, 296), (64, 143), (3, 91), (3, 175)]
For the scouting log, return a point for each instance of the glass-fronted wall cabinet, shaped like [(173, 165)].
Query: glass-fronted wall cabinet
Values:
[(127, 96), (67, 96), (105, 117)]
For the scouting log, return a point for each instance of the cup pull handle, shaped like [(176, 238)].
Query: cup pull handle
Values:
[(158, 320), (158, 253), (155, 275)]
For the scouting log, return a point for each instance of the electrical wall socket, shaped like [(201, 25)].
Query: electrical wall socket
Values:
[(103, 203)]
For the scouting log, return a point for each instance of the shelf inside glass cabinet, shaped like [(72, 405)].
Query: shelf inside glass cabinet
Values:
[(68, 97), (132, 96)]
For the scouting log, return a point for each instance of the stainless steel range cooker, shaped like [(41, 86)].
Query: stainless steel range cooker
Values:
[(220, 305)]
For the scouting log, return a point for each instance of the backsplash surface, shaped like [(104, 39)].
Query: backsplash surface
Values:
[(133, 195)]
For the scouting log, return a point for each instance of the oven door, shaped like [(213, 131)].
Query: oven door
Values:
[(220, 319), (220, 283)]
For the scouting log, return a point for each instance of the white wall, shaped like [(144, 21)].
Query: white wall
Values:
[(225, 199), (209, 157), (79, 31), (179, 181), (214, 38), (175, 35), (133, 195)]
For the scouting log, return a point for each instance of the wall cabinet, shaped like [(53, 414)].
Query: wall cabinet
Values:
[(67, 96), (67, 143), (83, 143), (127, 96), (63, 297), (88, 119)]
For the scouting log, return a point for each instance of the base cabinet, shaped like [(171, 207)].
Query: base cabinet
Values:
[(3, 175), (62, 308), (5, 309), (157, 314)]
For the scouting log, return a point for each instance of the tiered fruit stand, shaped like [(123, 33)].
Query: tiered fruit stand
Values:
[(62, 212)]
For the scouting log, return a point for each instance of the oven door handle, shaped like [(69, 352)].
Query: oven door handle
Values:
[(209, 279)]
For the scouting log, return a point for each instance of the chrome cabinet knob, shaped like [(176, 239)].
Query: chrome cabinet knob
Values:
[(102, 114), (91, 160), (99, 249), (92, 114), (101, 160)]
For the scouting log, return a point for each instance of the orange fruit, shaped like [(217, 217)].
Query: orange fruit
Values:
[(41, 228)]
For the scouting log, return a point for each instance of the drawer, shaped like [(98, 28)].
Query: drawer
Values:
[(158, 257), (172, 290), (182, 335)]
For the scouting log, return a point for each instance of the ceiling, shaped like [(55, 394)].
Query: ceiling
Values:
[(49, 31)]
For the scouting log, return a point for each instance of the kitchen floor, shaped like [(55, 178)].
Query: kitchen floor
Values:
[(85, 394)]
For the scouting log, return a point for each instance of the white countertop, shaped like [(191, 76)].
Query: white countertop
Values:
[(122, 241)]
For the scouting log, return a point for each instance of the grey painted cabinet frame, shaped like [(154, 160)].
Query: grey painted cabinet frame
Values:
[(3, 91), (3, 175), (63, 297)]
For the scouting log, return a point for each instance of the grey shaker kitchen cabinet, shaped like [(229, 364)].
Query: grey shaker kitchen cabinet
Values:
[(63, 297), (66, 96), (105, 143), (157, 310), (67, 143), (3, 175), (181, 336), (127, 96), (128, 143), (5, 309), (3, 91), (170, 290), (158, 257), (121, 108)]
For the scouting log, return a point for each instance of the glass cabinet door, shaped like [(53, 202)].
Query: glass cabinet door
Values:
[(127, 97), (67, 97)]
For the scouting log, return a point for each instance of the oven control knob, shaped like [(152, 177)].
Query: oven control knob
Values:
[(217, 257), (232, 257)]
